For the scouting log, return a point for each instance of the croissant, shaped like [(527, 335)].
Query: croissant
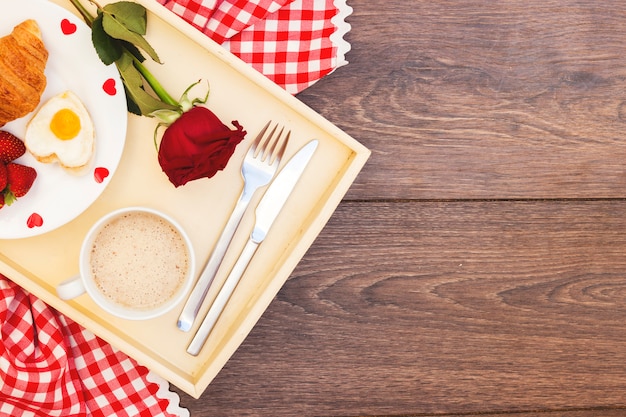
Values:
[(23, 58)]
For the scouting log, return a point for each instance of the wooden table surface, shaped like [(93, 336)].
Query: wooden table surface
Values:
[(478, 263)]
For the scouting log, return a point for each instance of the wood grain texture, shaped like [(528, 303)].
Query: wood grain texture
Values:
[(477, 266), (442, 308), (475, 99)]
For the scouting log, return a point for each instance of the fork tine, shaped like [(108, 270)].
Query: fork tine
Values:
[(259, 138), (260, 150), (281, 151), (268, 151)]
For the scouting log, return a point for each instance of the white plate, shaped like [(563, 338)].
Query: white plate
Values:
[(58, 197)]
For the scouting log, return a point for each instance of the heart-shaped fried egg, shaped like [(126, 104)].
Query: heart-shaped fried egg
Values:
[(62, 131)]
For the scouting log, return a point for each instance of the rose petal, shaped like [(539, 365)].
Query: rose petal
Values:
[(197, 145)]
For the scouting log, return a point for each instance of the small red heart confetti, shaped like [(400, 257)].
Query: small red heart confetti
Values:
[(109, 87), (34, 220), (100, 173), (67, 27)]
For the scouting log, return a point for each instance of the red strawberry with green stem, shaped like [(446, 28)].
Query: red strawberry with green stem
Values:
[(11, 147), (20, 179)]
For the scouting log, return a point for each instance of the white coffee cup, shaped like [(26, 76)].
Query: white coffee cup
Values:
[(140, 238)]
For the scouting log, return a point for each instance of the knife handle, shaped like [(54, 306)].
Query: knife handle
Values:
[(222, 298)]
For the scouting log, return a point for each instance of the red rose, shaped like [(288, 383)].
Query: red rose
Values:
[(197, 145)]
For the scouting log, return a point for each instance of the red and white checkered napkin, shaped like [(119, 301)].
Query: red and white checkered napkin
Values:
[(51, 366), (293, 42)]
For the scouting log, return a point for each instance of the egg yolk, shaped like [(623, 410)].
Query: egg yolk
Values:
[(65, 124)]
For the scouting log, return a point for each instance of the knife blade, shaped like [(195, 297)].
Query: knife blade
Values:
[(266, 213)]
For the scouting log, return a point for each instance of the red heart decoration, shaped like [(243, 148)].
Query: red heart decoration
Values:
[(34, 220), (100, 173), (109, 87), (67, 27)]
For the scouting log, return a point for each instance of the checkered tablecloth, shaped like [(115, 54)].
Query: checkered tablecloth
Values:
[(292, 42), (52, 366)]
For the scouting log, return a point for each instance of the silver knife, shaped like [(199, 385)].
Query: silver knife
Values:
[(266, 212)]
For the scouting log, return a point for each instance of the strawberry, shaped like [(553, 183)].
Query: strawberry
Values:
[(3, 176), (20, 179), (1, 200), (11, 147)]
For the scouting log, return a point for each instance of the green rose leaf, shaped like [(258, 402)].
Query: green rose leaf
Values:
[(118, 31), (108, 49), (132, 15), (130, 104), (134, 51), (114, 28), (134, 87)]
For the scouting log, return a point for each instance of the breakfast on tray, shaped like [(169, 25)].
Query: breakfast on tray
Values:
[(61, 130), (191, 143), (23, 58)]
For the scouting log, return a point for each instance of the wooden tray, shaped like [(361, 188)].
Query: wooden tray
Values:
[(238, 92)]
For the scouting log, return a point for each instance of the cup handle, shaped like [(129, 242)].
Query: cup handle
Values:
[(71, 288)]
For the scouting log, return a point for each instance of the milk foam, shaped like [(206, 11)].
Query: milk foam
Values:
[(139, 261)]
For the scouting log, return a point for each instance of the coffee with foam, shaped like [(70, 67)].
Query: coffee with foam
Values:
[(139, 261)]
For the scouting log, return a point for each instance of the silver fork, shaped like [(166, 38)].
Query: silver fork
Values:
[(259, 166)]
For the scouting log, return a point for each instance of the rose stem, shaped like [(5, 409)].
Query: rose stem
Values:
[(147, 75)]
